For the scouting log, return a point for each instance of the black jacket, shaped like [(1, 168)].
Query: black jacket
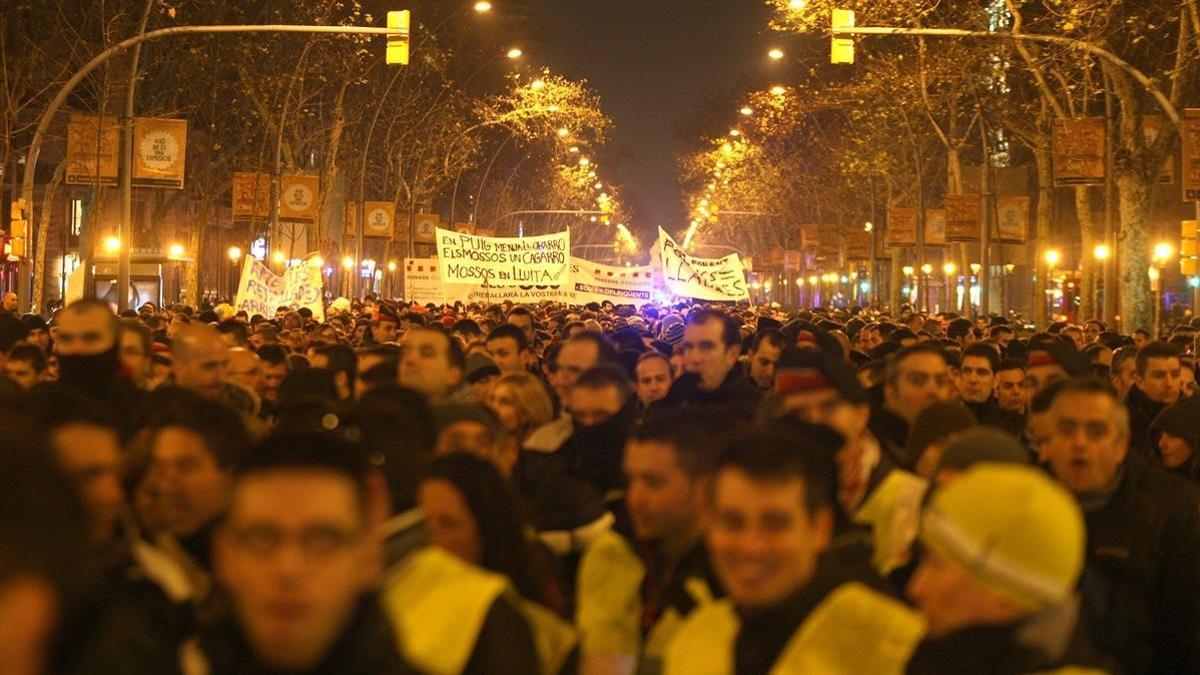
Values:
[(990, 414), (367, 646), (1142, 411), (1145, 542), (891, 430), (986, 650), (736, 396)]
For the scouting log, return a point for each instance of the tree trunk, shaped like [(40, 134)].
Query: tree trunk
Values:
[(1044, 216), (1089, 236), (1137, 301), (191, 294), (43, 230)]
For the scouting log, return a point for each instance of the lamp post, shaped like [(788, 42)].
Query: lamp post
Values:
[(907, 270), (923, 283), (1163, 252), (976, 282), (235, 255), (950, 269), (1052, 257), (1101, 253)]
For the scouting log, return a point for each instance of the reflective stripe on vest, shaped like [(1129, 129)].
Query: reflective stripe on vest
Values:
[(854, 630)]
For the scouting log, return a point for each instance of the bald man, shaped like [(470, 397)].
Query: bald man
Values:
[(9, 304), (244, 367), (200, 359)]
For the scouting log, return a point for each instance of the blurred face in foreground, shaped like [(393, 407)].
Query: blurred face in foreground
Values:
[(295, 556), (763, 541), (1087, 445)]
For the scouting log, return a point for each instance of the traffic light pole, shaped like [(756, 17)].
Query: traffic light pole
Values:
[(39, 134), (1141, 78)]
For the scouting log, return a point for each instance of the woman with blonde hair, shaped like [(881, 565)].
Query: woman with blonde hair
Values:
[(522, 403)]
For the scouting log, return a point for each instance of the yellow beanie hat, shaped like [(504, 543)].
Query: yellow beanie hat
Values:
[(1012, 528)]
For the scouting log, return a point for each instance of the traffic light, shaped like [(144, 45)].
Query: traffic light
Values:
[(397, 43), (1187, 248), (842, 50), (17, 224)]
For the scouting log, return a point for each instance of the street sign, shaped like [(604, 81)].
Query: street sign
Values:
[(397, 43), (842, 49), (1191, 155)]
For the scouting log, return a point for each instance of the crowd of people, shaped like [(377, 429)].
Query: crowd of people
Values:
[(608, 490)]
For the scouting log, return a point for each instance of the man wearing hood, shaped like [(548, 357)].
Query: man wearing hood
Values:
[(713, 377)]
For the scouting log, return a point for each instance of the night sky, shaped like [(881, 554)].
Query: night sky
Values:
[(652, 62)]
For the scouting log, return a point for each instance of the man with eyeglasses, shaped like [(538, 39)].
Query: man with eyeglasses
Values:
[(296, 556), (1143, 531)]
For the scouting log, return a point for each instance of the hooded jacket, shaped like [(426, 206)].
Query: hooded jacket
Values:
[(736, 395)]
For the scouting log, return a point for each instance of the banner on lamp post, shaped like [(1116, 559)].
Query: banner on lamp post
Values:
[(159, 152), (901, 226), (251, 196), (93, 144), (425, 227), (962, 217), (298, 198), (1191, 155), (1078, 151), (1012, 220), (935, 227)]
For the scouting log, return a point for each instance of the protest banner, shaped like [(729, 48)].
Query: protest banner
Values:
[(422, 281), (260, 290), (593, 282), (498, 262), (685, 275)]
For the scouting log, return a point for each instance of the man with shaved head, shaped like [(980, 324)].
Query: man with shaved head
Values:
[(87, 351), (200, 362)]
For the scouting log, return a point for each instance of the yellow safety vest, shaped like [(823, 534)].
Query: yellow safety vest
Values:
[(894, 513), (439, 604), (609, 604), (853, 631)]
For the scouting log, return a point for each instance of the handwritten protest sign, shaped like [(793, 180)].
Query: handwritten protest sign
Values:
[(685, 275), (504, 261), (260, 290)]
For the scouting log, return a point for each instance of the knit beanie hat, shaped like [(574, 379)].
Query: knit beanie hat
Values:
[(1013, 529)]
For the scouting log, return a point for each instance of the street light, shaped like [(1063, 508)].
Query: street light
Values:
[(775, 54), (279, 258), (747, 110), (563, 132), (537, 85), (348, 262), (175, 251), (1163, 252), (235, 253), (949, 268), (515, 53), (1101, 252), (778, 90), (483, 6), (908, 270), (926, 269), (1053, 257), (112, 244)]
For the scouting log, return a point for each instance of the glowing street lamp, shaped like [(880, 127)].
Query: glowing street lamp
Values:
[(778, 90), (537, 85), (515, 53), (483, 6), (1052, 257), (747, 110), (1101, 252), (278, 257), (950, 269), (564, 132), (908, 270), (235, 253), (112, 244), (1163, 252), (926, 269), (175, 251), (775, 54), (348, 262)]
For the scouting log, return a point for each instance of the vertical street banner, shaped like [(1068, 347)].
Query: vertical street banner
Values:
[(858, 244), (685, 275), (901, 226), (251, 196), (425, 227), (159, 152), (423, 281), (1012, 220), (1078, 151), (298, 198), (92, 150), (260, 290), (593, 282), (380, 222), (962, 217), (504, 261), (1191, 155), (935, 227)]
